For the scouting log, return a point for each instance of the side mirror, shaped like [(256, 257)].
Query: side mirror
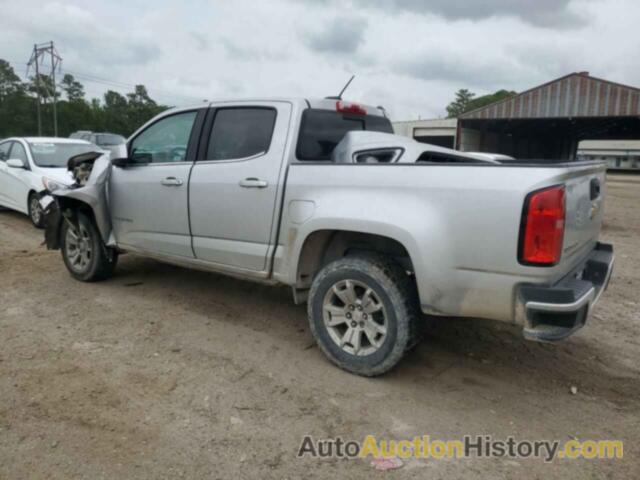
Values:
[(15, 163), (121, 162)]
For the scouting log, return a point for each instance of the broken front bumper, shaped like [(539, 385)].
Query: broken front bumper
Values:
[(552, 313), (52, 223)]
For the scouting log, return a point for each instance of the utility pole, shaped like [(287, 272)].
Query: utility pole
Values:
[(55, 61), (34, 58), (38, 58)]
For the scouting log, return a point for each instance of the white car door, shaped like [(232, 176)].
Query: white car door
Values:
[(15, 181), (5, 147), (18, 180)]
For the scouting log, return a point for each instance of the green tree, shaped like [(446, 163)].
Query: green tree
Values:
[(72, 88), (141, 107), (17, 109), (460, 104), (116, 113), (465, 101), (489, 99), (43, 84), (10, 83)]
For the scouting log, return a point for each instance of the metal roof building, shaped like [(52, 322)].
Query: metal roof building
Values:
[(550, 120), (619, 154), (438, 131)]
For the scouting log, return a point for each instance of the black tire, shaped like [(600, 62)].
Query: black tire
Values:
[(36, 215), (394, 289), (97, 265)]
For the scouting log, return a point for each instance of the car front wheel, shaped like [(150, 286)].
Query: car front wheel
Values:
[(83, 252), (35, 211)]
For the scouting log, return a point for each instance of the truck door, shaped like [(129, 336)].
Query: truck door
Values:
[(148, 196), (234, 184)]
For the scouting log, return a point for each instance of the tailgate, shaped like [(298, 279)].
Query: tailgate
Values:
[(585, 191)]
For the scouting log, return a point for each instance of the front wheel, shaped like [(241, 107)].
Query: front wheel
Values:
[(35, 211), (83, 252), (363, 313)]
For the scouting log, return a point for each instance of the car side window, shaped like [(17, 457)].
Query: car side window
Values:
[(165, 140), (20, 153), (241, 132), (4, 151)]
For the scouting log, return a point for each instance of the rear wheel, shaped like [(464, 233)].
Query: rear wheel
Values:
[(83, 252), (35, 210), (363, 313)]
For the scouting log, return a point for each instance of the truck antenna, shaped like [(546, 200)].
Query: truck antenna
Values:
[(339, 97)]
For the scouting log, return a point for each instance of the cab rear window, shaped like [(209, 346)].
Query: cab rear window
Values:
[(322, 130)]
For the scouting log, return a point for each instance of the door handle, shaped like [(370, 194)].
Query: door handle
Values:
[(171, 182), (253, 183)]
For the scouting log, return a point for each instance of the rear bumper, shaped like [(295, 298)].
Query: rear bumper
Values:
[(552, 313)]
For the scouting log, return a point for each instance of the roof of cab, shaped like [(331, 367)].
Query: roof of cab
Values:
[(319, 103)]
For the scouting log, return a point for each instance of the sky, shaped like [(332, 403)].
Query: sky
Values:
[(409, 56)]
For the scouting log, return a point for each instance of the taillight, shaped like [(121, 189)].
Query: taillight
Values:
[(542, 228), (352, 108)]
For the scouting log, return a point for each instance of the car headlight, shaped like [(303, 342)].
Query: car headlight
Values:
[(52, 185)]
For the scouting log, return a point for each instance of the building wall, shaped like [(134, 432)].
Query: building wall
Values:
[(421, 130), (619, 154)]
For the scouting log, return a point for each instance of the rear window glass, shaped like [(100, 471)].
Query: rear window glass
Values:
[(241, 133), (322, 130)]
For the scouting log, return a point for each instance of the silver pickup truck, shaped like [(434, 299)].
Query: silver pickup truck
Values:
[(369, 228)]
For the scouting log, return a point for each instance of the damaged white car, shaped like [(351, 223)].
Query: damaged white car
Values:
[(31, 165)]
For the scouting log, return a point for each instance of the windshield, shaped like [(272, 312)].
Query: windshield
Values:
[(56, 155), (322, 130), (109, 139)]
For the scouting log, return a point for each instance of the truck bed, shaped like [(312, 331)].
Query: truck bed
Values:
[(459, 222)]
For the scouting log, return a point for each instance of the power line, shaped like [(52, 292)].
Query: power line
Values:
[(88, 89), (123, 84), (115, 83)]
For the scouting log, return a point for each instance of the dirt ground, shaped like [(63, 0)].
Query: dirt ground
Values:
[(163, 372)]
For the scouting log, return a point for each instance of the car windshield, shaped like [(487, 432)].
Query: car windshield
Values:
[(56, 155), (109, 139)]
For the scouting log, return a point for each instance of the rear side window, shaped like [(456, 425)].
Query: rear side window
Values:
[(322, 130), (241, 133)]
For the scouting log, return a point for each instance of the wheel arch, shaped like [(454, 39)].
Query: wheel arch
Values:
[(323, 246), (30, 191), (67, 207), (75, 200)]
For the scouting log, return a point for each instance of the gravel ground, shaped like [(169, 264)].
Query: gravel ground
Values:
[(163, 372)]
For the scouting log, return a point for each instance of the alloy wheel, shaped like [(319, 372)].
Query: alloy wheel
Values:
[(355, 317), (79, 249)]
